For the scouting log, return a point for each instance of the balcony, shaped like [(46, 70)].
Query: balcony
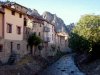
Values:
[(46, 39), (46, 29)]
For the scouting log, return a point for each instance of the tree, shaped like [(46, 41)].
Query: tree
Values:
[(78, 43), (33, 40), (86, 34), (89, 27)]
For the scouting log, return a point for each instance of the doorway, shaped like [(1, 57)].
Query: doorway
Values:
[(11, 46)]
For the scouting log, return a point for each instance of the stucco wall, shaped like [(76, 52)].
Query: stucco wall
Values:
[(15, 21), (37, 29), (29, 23), (1, 16)]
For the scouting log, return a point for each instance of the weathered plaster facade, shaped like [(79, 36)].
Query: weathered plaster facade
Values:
[(62, 39), (1, 23), (12, 42), (17, 43), (15, 21)]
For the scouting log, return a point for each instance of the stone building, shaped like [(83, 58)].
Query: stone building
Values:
[(17, 23), (62, 40), (49, 38), (35, 26), (1, 33), (13, 27)]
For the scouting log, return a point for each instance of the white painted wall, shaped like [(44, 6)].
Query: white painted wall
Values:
[(49, 34)]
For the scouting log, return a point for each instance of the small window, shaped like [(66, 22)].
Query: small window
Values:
[(34, 33), (9, 28), (1, 47), (20, 15), (13, 12), (40, 25), (18, 30), (25, 22), (39, 33), (34, 24), (18, 46)]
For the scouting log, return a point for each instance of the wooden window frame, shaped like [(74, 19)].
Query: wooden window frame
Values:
[(9, 28), (18, 30), (20, 15)]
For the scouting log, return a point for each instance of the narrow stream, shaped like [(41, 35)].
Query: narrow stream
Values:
[(64, 66)]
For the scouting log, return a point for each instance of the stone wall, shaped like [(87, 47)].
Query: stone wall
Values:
[(45, 52), (6, 52), (49, 51)]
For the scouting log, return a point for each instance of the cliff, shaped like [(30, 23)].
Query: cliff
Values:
[(58, 22)]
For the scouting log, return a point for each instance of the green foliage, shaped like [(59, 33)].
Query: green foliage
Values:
[(34, 40), (89, 27), (78, 43), (86, 34)]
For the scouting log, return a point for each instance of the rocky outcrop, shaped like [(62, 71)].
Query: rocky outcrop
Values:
[(58, 22), (70, 27), (33, 12)]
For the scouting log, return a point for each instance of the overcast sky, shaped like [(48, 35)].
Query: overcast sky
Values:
[(69, 10)]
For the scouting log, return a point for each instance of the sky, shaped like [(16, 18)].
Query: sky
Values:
[(69, 10)]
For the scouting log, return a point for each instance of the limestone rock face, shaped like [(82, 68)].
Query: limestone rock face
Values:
[(58, 22), (35, 12), (48, 16), (70, 27)]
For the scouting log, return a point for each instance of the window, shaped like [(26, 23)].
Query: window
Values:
[(9, 28), (25, 22), (1, 47), (13, 12), (40, 25), (11, 46), (18, 30), (34, 33), (39, 33), (20, 15), (34, 24), (18, 46)]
